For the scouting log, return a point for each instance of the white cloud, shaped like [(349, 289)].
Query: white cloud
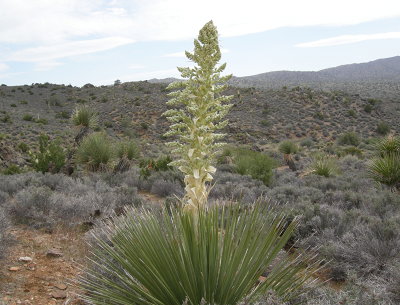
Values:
[(134, 67), (55, 21), (48, 53), (347, 39), (182, 54), (46, 65), (3, 67)]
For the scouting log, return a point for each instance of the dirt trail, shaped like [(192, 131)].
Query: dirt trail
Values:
[(39, 267)]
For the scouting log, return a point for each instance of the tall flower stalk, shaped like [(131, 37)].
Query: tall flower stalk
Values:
[(199, 116)]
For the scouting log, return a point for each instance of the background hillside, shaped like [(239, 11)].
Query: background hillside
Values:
[(379, 78), (134, 110)]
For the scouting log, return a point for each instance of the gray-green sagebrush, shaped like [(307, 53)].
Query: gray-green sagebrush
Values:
[(216, 258)]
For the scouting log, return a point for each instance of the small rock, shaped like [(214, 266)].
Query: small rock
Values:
[(14, 269), (25, 259), (60, 286), (54, 253), (58, 295)]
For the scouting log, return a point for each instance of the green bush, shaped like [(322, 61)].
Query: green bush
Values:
[(255, 164), (6, 118), (41, 121), (368, 108), (128, 149), (214, 257), (62, 115), (27, 117), (12, 170), (84, 116), (95, 152), (23, 147), (324, 165), (349, 138), (382, 128), (49, 158), (147, 166), (288, 148)]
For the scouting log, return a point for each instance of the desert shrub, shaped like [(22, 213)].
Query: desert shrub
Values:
[(12, 169), (147, 166), (288, 147), (84, 116), (62, 115), (351, 150), (382, 128), (324, 165), (49, 158), (31, 206), (23, 147), (128, 149), (307, 142), (4, 224), (95, 152), (255, 164), (177, 245), (368, 108), (27, 117), (165, 188), (6, 118), (41, 121), (349, 138)]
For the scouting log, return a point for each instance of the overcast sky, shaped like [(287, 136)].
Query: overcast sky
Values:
[(95, 41)]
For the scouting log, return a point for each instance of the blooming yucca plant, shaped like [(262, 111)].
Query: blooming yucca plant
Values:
[(196, 122), (200, 254)]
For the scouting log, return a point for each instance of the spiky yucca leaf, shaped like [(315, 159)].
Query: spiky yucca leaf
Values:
[(216, 257), (388, 145), (386, 170)]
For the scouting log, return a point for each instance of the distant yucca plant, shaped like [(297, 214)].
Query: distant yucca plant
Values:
[(324, 166), (95, 151), (128, 149), (84, 116), (288, 148), (216, 257), (388, 145), (386, 170)]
